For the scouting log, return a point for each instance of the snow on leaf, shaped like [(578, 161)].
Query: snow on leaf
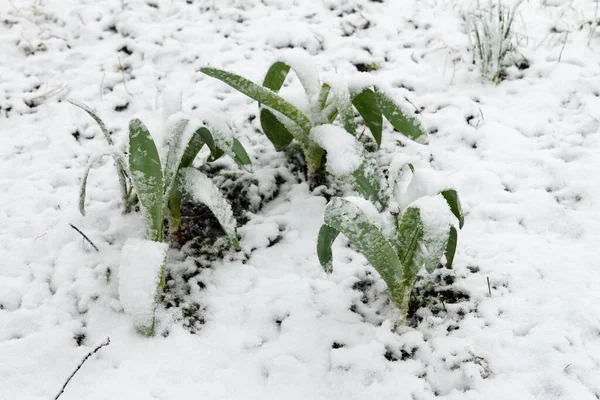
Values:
[(202, 190), (344, 152), (140, 275)]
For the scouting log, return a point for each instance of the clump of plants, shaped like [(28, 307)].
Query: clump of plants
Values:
[(158, 188), (328, 102), (400, 241), (491, 35)]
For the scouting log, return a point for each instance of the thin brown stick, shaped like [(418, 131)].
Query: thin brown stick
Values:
[(489, 287), (84, 236), (101, 345)]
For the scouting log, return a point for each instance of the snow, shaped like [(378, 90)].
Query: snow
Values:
[(344, 153), (523, 156), (142, 263)]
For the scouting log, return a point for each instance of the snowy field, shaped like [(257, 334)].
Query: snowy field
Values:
[(266, 322)]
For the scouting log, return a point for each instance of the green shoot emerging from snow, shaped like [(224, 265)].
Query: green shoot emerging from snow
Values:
[(283, 121), (414, 242)]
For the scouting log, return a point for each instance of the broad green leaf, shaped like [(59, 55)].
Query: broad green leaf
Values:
[(402, 120), (275, 130), (367, 238), (368, 108), (276, 76), (175, 150), (410, 238), (218, 148), (262, 95), (451, 247), (147, 177), (323, 95), (327, 236), (191, 151), (174, 209), (202, 190), (367, 182), (453, 201)]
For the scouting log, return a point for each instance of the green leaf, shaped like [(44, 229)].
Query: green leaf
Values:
[(275, 130), (327, 236), (451, 247), (276, 76), (451, 196), (344, 107), (175, 150), (323, 95), (147, 177), (206, 136), (262, 95), (191, 151), (410, 237), (403, 121), (367, 238), (241, 157), (368, 108), (367, 181), (202, 190)]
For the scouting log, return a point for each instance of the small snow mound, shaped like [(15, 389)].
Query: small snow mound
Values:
[(344, 153), (142, 262)]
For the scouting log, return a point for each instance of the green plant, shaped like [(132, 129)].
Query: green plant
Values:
[(283, 121), (159, 187), (414, 239), (491, 36)]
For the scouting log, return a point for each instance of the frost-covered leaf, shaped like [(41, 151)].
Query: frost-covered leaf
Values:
[(176, 147), (119, 164), (341, 97), (207, 137), (327, 236), (95, 117), (401, 119), (367, 238), (451, 196), (410, 238), (91, 162), (240, 156), (262, 95), (202, 190), (368, 108), (147, 177), (275, 130), (141, 280), (323, 95), (303, 66), (191, 151), (451, 247), (368, 179)]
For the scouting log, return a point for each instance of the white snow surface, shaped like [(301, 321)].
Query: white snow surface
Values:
[(139, 274), (523, 156)]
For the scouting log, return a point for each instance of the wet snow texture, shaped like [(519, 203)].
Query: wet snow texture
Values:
[(523, 155)]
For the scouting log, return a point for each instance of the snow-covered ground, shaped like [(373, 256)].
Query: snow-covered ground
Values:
[(267, 322)]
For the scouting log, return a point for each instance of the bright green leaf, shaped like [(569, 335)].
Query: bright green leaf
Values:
[(262, 95), (327, 236), (368, 108), (451, 247), (275, 130), (402, 120), (276, 76), (147, 177), (453, 201)]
